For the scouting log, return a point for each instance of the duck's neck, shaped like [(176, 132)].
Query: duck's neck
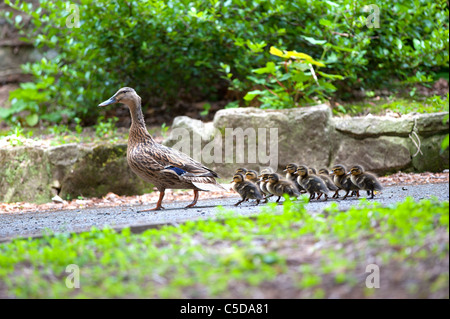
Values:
[(138, 127)]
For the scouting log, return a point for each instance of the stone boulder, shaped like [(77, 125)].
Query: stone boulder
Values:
[(313, 137), (31, 173)]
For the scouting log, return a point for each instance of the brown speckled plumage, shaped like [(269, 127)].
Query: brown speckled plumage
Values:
[(162, 166)]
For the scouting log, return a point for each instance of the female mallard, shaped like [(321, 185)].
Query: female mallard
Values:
[(164, 167)]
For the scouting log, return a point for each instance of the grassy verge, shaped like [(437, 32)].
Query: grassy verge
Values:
[(295, 254), (400, 105)]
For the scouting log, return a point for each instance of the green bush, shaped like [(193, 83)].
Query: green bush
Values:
[(178, 49)]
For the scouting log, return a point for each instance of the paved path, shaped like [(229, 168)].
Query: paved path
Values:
[(35, 223)]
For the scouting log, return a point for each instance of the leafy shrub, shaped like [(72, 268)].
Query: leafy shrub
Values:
[(179, 49), (291, 82)]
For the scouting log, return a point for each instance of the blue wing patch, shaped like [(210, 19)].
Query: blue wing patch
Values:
[(179, 171)]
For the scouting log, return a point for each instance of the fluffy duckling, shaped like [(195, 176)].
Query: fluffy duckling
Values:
[(241, 170), (291, 175), (252, 176), (343, 181), (365, 180), (279, 186), (312, 183), (264, 180), (325, 176), (246, 189)]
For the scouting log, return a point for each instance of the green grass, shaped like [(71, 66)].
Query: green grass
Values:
[(402, 105), (292, 254)]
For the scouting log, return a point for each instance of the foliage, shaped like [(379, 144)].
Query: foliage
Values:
[(178, 49), (409, 105), (313, 252), (292, 82)]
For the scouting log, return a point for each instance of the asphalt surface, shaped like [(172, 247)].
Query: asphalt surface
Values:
[(35, 224)]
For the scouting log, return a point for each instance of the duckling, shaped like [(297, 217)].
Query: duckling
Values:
[(241, 170), (162, 166), (312, 183), (343, 181), (365, 180), (325, 176), (291, 175), (252, 176), (246, 189), (264, 180), (279, 186)]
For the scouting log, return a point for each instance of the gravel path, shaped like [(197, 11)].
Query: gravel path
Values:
[(34, 224)]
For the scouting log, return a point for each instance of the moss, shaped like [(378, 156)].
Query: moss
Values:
[(26, 173)]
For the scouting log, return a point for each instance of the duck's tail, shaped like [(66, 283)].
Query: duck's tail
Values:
[(207, 184)]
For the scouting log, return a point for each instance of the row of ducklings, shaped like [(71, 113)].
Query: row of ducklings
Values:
[(300, 179)]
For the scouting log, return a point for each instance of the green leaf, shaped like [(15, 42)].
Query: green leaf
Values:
[(325, 22), (330, 76), (32, 119), (270, 68), (444, 144), (314, 41), (251, 95)]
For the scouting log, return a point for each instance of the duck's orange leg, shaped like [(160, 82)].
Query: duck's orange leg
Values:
[(194, 201), (158, 204)]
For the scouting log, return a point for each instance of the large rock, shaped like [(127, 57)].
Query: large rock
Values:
[(374, 126), (385, 154), (312, 136), (25, 175), (31, 173), (431, 157), (99, 170)]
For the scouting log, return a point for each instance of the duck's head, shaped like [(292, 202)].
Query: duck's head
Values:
[(274, 178), (264, 177), (125, 95), (312, 170), (302, 170), (339, 170), (266, 171), (291, 168), (356, 170), (251, 175), (237, 178), (324, 171), (241, 170)]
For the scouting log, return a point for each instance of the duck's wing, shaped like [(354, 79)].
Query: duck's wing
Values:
[(169, 158)]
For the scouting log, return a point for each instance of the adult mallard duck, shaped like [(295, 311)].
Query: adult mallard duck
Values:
[(162, 166)]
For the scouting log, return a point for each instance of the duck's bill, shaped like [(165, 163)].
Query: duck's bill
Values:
[(108, 102)]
